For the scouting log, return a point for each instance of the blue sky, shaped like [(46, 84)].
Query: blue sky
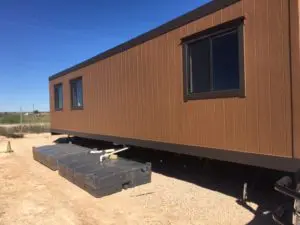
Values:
[(41, 37)]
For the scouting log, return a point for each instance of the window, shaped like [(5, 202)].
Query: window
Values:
[(76, 93), (58, 97), (213, 62)]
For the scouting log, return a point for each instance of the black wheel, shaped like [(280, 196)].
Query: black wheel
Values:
[(296, 214)]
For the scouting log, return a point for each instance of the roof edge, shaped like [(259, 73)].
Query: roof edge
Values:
[(193, 15)]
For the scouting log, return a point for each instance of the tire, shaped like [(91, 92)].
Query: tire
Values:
[(296, 215)]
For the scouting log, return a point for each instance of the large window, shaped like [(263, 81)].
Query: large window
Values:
[(76, 93), (213, 62), (58, 97)]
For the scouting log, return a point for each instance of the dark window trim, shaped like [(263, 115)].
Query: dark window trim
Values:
[(71, 94), (62, 87), (234, 25)]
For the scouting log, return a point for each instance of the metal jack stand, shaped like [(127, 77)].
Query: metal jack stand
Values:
[(243, 201), (245, 193)]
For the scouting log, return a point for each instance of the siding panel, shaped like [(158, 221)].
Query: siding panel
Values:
[(295, 62), (139, 93)]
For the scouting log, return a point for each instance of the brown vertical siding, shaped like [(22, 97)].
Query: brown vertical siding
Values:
[(295, 63), (139, 93)]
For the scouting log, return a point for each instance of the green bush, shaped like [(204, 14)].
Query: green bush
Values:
[(10, 130), (10, 119), (14, 118)]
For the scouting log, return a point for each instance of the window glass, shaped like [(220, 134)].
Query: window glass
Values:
[(76, 93), (79, 93), (200, 66), (225, 61), (58, 96), (214, 62)]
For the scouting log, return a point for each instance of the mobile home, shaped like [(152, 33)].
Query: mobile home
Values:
[(221, 82)]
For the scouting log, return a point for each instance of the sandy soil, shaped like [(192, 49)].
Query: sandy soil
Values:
[(32, 194)]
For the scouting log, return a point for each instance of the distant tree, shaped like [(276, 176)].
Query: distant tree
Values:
[(36, 112)]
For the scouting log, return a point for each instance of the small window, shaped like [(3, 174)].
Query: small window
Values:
[(76, 93), (213, 62), (58, 97)]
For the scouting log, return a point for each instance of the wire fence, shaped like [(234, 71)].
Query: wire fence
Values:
[(21, 123)]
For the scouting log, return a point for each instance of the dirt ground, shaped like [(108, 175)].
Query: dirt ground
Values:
[(30, 193)]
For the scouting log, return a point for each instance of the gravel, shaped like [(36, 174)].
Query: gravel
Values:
[(32, 194)]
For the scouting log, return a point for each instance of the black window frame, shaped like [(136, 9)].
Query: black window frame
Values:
[(56, 98), (73, 82), (234, 25)]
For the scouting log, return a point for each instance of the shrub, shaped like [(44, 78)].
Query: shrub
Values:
[(11, 130), (10, 119)]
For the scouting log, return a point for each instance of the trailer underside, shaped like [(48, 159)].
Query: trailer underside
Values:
[(265, 161)]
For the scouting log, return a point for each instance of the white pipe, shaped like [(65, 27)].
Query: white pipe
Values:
[(110, 150), (96, 151), (111, 153), (101, 151)]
